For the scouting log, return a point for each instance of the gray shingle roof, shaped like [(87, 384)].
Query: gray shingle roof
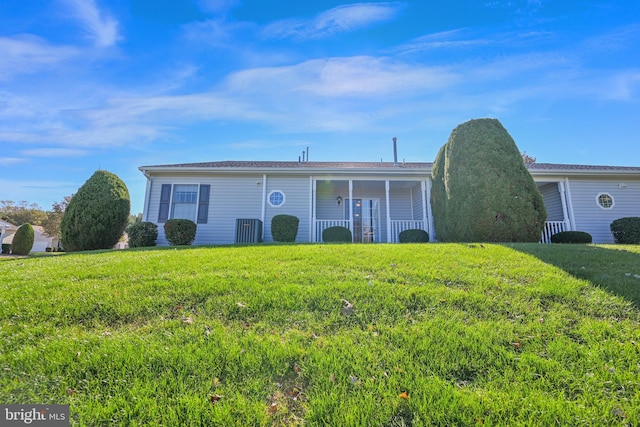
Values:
[(535, 167)]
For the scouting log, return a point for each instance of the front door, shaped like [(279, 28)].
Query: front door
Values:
[(366, 224)]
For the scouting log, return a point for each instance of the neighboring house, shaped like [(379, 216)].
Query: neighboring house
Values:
[(376, 200), (41, 240)]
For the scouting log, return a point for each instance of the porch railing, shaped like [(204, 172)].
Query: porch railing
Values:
[(323, 224), (551, 228), (398, 226)]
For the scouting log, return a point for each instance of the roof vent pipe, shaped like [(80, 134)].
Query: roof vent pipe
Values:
[(303, 157), (307, 154), (395, 151)]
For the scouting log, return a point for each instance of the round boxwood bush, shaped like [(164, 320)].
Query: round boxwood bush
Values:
[(626, 230), (97, 214), (142, 234), (180, 232), (337, 234), (571, 237), (284, 228), (413, 236), (23, 240)]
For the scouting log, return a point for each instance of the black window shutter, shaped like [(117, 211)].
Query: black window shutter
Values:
[(203, 205), (165, 198)]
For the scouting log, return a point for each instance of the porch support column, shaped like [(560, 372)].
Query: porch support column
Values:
[(386, 190), (264, 202), (351, 208), (567, 190), (312, 211), (426, 202)]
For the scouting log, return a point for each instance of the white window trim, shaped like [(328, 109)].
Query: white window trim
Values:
[(613, 201), (284, 198), (173, 186)]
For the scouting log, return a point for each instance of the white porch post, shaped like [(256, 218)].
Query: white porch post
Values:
[(264, 202), (386, 190), (312, 216), (3, 230), (572, 220), (426, 203), (351, 208)]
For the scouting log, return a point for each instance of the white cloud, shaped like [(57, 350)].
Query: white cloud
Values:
[(8, 161), (26, 53), (101, 27), (334, 21), (54, 152)]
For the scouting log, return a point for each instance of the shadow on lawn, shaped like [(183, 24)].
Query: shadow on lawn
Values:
[(614, 270)]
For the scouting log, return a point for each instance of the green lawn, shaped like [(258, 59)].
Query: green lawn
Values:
[(327, 335)]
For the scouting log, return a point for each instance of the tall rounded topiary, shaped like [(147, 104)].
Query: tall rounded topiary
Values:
[(284, 228), (481, 189), (23, 240), (97, 214)]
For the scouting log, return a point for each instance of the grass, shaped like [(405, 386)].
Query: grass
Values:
[(357, 335)]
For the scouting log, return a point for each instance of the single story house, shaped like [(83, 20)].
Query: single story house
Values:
[(41, 240), (234, 201)]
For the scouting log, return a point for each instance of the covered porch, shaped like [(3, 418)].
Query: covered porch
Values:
[(557, 200), (375, 210)]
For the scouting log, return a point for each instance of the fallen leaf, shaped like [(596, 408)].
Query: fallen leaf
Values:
[(71, 391), (332, 377), (216, 381), (404, 395), (214, 398), (516, 344), (187, 320), (347, 308), (273, 408), (296, 368), (240, 304)]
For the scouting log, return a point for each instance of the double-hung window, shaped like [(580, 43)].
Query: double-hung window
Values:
[(186, 201)]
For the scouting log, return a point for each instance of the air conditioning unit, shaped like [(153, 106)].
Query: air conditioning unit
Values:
[(248, 230)]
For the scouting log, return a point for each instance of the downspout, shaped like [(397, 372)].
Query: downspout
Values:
[(386, 190), (264, 202), (311, 216), (147, 196), (351, 208), (563, 203), (572, 220)]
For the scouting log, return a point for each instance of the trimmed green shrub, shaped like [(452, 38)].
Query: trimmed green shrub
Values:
[(413, 236), (142, 234), (6, 248), (284, 228), (482, 192), (180, 232), (626, 230), (336, 234), (97, 214), (571, 237), (23, 240)]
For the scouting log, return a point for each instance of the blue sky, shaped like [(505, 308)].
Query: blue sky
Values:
[(97, 84)]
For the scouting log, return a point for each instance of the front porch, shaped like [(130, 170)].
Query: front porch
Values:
[(376, 211)]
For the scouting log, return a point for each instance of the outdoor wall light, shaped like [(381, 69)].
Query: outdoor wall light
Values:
[(339, 200)]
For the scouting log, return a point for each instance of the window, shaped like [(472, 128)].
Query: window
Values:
[(184, 201), (604, 200), (276, 198)]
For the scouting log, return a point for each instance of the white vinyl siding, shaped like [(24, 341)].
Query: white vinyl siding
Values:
[(552, 201), (592, 218), (296, 203)]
